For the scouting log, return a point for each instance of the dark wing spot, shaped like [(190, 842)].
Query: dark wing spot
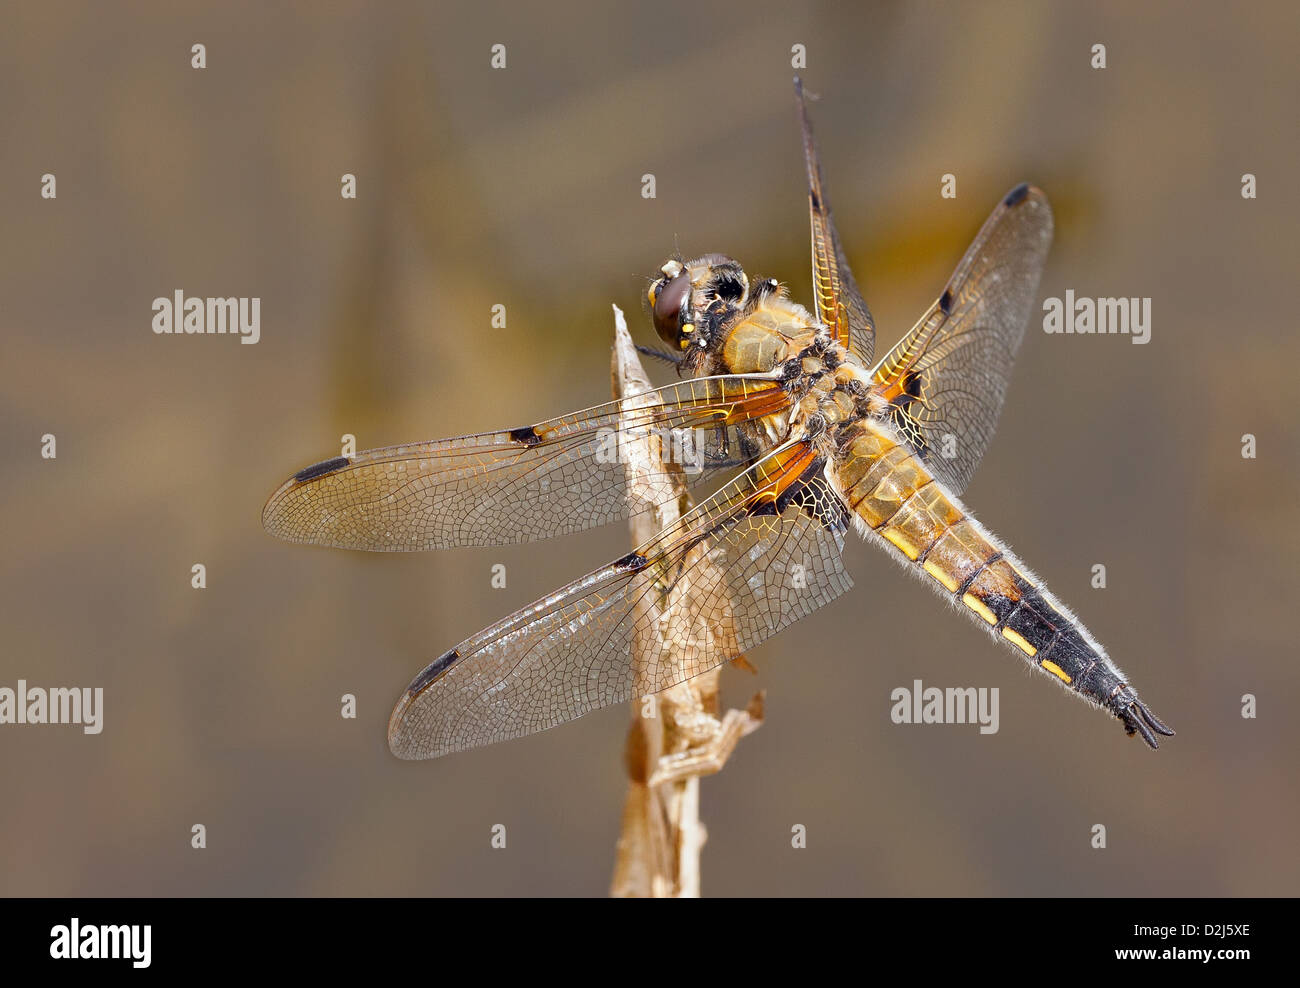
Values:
[(909, 391), (632, 561), (810, 473), (945, 302), (1017, 194), (526, 436), (815, 199), (816, 499), (321, 469), (812, 497), (911, 386), (904, 421), (432, 671)]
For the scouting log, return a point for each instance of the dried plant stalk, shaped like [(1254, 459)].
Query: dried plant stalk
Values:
[(682, 738)]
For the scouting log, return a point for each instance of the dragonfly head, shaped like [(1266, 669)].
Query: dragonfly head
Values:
[(692, 301)]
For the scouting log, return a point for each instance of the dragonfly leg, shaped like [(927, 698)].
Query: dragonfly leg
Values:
[(666, 357)]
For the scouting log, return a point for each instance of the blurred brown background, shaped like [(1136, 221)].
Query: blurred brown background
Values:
[(522, 187)]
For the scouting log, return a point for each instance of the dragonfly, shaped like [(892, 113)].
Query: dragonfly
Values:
[(805, 436)]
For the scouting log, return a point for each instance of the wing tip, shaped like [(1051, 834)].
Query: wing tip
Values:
[(271, 520), (399, 742), (1017, 195), (1023, 192)]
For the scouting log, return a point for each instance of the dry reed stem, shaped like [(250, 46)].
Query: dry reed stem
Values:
[(658, 852)]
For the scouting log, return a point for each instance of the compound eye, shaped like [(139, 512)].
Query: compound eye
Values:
[(668, 307)]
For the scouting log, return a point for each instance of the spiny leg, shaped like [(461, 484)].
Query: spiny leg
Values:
[(668, 358)]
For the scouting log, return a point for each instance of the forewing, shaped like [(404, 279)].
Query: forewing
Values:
[(519, 485), (758, 555), (840, 305), (946, 379)]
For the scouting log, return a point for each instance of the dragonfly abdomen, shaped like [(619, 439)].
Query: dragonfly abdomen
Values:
[(893, 494)]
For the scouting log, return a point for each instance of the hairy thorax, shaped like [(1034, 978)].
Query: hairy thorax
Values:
[(831, 387)]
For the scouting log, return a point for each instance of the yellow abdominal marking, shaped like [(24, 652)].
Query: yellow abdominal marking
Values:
[(1055, 670), (977, 605), (946, 579), (904, 546), (1018, 640), (688, 327)]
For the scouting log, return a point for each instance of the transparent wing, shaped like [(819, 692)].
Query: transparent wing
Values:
[(758, 555), (519, 485), (839, 303), (947, 377)]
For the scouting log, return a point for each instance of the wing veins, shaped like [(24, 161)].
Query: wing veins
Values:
[(952, 368)]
